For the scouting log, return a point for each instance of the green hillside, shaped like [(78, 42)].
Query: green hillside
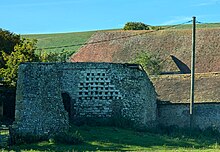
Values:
[(198, 26), (70, 39), (60, 40)]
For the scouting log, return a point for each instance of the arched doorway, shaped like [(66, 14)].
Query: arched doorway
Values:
[(67, 102)]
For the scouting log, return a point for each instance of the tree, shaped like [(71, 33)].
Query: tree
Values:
[(151, 63), (8, 40), (135, 26), (23, 52), (55, 56)]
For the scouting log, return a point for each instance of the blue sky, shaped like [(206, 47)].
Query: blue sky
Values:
[(56, 16)]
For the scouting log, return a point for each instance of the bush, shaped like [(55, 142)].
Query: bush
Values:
[(68, 138), (151, 63), (135, 26), (62, 56), (156, 28)]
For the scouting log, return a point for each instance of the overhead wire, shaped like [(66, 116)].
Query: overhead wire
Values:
[(164, 27), (117, 38)]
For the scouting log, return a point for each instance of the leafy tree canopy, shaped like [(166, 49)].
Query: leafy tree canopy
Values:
[(136, 26), (7, 42), (23, 52), (14, 51)]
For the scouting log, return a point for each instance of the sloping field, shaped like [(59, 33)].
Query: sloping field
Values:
[(60, 40), (121, 46), (176, 88)]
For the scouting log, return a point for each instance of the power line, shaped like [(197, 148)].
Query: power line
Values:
[(118, 38), (122, 37), (172, 26)]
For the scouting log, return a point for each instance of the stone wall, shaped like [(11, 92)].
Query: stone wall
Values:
[(39, 109), (205, 115), (47, 93)]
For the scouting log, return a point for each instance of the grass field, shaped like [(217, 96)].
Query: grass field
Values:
[(114, 139), (199, 26), (68, 39), (59, 40)]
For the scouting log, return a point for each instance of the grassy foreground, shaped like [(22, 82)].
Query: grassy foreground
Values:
[(114, 139)]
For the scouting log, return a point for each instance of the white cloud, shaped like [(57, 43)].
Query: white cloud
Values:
[(207, 3)]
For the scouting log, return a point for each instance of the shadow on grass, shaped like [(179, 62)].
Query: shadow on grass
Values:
[(114, 139), (61, 148)]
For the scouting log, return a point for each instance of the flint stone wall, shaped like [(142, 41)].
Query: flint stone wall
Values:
[(49, 94), (206, 115)]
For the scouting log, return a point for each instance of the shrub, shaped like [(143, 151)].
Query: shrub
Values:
[(151, 63), (156, 28), (55, 56), (135, 26)]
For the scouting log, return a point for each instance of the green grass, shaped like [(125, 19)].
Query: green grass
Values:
[(198, 26), (114, 139), (68, 39), (60, 39)]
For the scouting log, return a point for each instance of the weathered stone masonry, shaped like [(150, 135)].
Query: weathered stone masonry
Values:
[(49, 94), (206, 115)]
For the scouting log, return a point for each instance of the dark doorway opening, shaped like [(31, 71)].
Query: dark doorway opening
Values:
[(67, 102)]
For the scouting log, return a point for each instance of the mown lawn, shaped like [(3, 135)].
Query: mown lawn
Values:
[(114, 139)]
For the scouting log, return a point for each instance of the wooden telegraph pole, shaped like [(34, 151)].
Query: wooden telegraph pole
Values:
[(192, 71)]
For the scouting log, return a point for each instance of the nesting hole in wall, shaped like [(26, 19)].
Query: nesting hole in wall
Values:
[(96, 85)]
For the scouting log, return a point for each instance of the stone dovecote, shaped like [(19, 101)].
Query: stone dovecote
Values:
[(49, 95)]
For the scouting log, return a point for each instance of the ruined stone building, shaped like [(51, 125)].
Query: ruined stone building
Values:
[(49, 95)]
